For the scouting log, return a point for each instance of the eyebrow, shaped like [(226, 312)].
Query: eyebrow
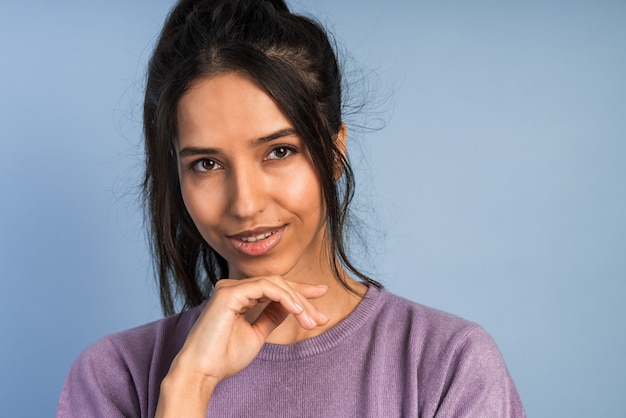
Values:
[(191, 151), (278, 134)]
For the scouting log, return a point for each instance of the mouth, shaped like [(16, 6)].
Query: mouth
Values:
[(257, 237), (257, 242)]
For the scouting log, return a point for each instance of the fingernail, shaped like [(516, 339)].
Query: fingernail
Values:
[(298, 307), (324, 317)]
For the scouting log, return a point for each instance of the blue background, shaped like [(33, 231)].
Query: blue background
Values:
[(496, 190)]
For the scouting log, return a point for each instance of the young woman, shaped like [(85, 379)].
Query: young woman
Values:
[(248, 186)]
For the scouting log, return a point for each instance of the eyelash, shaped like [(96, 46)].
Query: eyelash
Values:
[(198, 165), (287, 148)]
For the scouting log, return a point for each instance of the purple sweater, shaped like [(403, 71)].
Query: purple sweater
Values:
[(389, 358)]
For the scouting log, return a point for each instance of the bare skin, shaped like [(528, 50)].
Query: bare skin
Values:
[(250, 186), (224, 334)]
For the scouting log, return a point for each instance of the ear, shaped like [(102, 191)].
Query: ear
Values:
[(340, 143)]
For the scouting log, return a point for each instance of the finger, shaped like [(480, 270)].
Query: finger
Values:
[(301, 292), (296, 289), (309, 291), (271, 317), (246, 294), (274, 314), (274, 286), (311, 316), (293, 296)]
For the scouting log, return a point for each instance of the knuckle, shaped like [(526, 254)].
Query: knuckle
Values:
[(268, 281), (222, 283), (273, 279)]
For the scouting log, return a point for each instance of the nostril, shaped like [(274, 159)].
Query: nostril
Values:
[(247, 195)]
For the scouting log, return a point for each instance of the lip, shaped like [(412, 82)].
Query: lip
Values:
[(258, 241)]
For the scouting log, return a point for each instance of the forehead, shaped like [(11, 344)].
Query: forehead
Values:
[(227, 107)]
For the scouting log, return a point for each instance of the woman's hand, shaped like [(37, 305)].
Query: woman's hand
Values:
[(223, 342)]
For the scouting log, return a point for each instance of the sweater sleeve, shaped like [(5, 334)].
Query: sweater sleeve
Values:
[(99, 384), (476, 381)]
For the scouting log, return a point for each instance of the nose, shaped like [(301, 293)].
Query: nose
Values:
[(247, 192)]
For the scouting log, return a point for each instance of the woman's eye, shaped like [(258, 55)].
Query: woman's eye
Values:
[(279, 153), (205, 165)]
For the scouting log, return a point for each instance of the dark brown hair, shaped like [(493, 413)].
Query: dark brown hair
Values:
[(288, 55)]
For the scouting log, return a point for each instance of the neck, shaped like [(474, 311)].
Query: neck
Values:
[(336, 304)]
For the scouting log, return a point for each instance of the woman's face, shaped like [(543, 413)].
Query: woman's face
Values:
[(248, 181)]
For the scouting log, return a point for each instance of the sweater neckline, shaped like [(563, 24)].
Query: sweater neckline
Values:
[(328, 339)]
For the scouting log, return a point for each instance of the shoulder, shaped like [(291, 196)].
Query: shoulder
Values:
[(432, 336), (120, 374), (424, 323), (152, 342), (435, 332), (458, 366)]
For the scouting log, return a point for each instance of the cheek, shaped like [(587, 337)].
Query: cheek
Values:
[(303, 192), (202, 210)]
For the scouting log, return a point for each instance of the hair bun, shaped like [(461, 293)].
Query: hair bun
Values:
[(279, 5)]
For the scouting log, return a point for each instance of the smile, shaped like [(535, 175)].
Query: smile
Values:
[(257, 238), (257, 243)]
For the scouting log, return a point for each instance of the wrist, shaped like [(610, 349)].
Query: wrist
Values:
[(185, 392)]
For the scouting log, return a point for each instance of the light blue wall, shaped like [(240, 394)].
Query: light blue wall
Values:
[(497, 188)]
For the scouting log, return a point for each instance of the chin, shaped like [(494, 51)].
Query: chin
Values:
[(259, 270)]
